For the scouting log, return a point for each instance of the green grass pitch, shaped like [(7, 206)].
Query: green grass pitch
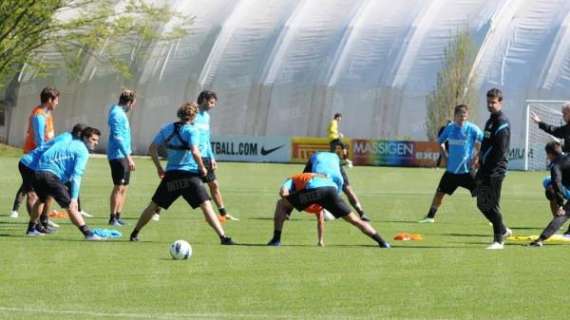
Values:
[(448, 275)]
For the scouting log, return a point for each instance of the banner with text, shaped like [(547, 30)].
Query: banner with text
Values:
[(395, 153), (303, 147), (251, 149)]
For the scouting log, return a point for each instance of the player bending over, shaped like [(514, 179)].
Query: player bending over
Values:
[(305, 189), (64, 161), (557, 191), (328, 163)]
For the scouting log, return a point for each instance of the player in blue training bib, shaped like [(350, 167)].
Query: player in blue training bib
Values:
[(464, 141)]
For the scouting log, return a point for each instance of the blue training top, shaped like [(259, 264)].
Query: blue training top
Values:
[(119, 145), (327, 163), (202, 123), (67, 160), (314, 183), (31, 159), (179, 159), (461, 140)]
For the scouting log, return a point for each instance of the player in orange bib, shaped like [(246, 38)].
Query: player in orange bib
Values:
[(40, 131)]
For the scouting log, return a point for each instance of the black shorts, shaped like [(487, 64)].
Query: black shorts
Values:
[(27, 178), (211, 175), (47, 184), (326, 197), (120, 171), (180, 183), (336, 142), (449, 182)]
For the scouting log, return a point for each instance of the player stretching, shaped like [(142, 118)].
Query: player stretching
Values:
[(464, 140), (328, 163), (63, 161), (559, 132), (493, 157), (557, 190), (306, 189), (183, 172), (119, 154)]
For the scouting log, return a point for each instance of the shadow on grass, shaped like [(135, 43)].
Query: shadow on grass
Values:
[(526, 228), (468, 235)]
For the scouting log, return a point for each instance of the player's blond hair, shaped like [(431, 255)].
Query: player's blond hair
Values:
[(187, 111)]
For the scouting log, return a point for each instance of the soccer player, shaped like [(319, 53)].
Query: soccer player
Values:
[(306, 189), (119, 154), (464, 140), (328, 163), (562, 132), (183, 172), (335, 137), (558, 190), (28, 164), (63, 161), (494, 161), (207, 101), (40, 131)]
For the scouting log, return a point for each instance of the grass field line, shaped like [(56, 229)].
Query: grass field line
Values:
[(176, 315)]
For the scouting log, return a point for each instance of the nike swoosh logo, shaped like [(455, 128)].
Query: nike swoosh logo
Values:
[(265, 152)]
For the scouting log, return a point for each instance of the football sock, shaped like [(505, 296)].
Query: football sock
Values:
[(85, 230), (222, 211), (135, 233), (118, 215), (378, 238), (431, 213), (112, 217), (360, 211), (31, 226), (277, 235)]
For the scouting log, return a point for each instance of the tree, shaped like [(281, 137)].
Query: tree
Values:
[(109, 31), (455, 84)]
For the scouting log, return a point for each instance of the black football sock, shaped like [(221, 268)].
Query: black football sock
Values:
[(276, 235), (431, 213), (378, 238), (222, 211), (85, 230)]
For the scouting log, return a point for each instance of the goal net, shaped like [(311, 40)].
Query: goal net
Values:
[(535, 138)]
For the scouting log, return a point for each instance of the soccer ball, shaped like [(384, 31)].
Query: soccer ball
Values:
[(180, 250)]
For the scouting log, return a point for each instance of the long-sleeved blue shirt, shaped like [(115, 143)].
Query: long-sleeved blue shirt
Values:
[(119, 145), (31, 159), (202, 123), (179, 159), (66, 160)]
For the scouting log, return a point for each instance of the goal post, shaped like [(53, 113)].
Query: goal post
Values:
[(550, 113)]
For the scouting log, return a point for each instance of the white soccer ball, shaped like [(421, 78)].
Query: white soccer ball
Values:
[(180, 250)]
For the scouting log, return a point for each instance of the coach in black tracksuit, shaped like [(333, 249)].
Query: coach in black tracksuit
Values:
[(493, 158), (562, 132), (559, 181)]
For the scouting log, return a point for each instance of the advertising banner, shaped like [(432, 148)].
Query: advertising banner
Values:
[(251, 149), (303, 147), (395, 153)]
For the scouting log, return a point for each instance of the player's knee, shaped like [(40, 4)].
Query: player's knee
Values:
[(549, 193)]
